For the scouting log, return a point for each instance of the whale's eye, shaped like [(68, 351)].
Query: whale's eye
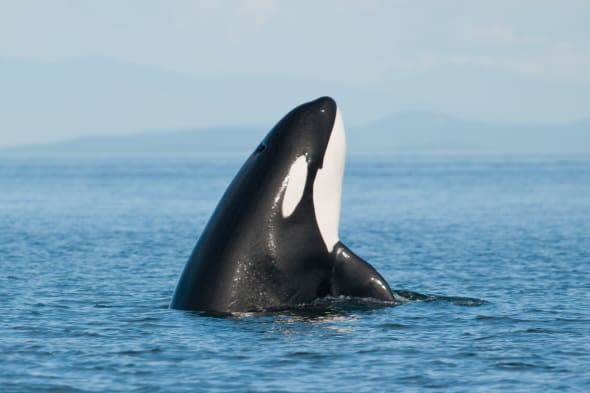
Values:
[(260, 148)]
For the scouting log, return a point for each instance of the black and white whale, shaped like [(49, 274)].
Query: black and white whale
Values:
[(272, 242)]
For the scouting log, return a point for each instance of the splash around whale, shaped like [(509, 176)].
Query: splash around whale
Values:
[(272, 242)]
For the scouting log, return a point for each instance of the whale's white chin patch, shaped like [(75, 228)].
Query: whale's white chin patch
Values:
[(327, 187), (294, 186)]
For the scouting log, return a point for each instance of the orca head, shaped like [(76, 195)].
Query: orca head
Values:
[(273, 240), (306, 151)]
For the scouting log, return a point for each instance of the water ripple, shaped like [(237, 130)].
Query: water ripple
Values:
[(90, 252)]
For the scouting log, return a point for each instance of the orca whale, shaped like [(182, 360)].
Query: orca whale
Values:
[(272, 242)]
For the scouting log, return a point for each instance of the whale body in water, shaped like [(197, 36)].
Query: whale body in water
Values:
[(272, 242)]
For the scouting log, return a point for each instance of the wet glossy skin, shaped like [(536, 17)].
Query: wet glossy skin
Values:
[(250, 255)]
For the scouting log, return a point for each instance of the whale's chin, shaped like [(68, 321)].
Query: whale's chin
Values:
[(327, 188)]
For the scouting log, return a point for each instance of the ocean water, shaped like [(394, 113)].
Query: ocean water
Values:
[(91, 249)]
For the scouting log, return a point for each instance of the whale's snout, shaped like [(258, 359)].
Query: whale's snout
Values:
[(325, 104)]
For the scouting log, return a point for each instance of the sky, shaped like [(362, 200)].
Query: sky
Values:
[(79, 68)]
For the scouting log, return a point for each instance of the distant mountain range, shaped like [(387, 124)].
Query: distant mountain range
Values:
[(414, 132), (211, 140), (92, 96), (425, 132)]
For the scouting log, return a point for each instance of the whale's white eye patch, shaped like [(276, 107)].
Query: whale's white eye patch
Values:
[(295, 185)]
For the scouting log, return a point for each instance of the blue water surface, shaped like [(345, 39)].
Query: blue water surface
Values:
[(91, 249)]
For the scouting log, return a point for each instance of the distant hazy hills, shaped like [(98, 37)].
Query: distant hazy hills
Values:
[(94, 96), (425, 132), (415, 132), (211, 140)]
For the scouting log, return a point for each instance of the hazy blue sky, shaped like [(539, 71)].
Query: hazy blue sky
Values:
[(71, 68)]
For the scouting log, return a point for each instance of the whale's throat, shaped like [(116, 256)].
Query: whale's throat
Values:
[(327, 187)]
